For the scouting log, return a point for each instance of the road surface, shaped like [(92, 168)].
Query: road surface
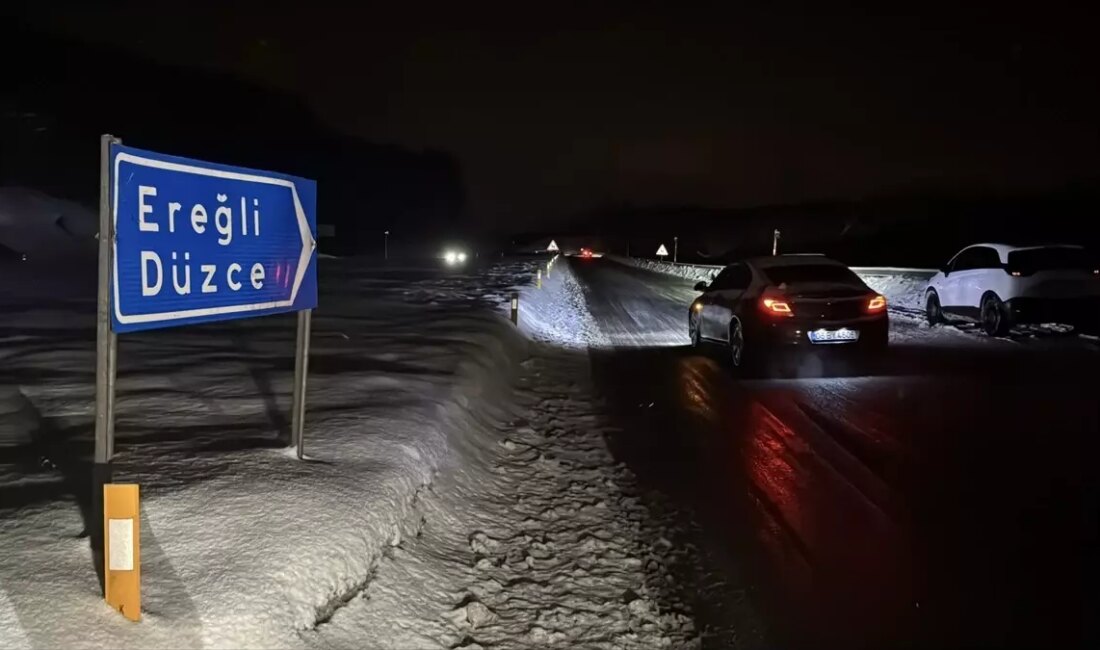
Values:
[(937, 497)]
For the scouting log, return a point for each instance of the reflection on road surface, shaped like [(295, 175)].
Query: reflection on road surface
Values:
[(934, 497)]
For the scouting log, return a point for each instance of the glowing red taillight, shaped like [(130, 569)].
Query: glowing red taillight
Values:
[(876, 304), (775, 307)]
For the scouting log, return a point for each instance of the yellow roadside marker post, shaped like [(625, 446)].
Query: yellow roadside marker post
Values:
[(122, 548)]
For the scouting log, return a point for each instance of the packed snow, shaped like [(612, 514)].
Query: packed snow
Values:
[(458, 491), (34, 225), (904, 288), (696, 272), (556, 313)]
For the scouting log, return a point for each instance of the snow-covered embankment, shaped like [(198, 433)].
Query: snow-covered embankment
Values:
[(242, 544), (903, 287), (458, 490)]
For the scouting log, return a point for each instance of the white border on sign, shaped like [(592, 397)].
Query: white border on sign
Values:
[(308, 244)]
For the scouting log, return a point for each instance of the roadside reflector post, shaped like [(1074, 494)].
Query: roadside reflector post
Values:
[(775, 242), (301, 372), (122, 549), (515, 309), (538, 279)]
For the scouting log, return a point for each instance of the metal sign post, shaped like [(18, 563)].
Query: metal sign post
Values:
[(301, 371), (105, 340), (675, 249)]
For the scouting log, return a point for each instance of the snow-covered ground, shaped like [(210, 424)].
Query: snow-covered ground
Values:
[(697, 272), (903, 288), (458, 491), (38, 226), (556, 313)]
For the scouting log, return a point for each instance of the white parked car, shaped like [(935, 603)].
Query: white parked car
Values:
[(1000, 285)]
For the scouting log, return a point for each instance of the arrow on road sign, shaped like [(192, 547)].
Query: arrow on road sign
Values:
[(198, 242), (662, 251)]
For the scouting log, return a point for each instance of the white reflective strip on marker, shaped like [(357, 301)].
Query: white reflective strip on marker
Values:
[(121, 540)]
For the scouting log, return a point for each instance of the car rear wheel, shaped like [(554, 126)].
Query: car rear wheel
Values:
[(994, 316), (693, 329), (933, 310), (737, 345)]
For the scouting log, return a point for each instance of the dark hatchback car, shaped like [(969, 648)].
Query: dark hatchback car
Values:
[(787, 301)]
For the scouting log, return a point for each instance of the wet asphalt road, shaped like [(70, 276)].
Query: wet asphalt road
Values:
[(942, 496)]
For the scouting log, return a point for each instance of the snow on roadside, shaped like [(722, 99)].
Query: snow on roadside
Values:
[(242, 545), (903, 288), (455, 494), (557, 313), (699, 272), (41, 226), (538, 540)]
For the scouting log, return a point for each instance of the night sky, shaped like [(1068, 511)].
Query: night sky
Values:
[(560, 109)]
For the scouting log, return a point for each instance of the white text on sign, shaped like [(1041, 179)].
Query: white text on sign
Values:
[(153, 215)]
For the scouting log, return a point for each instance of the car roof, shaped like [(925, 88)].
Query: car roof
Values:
[(1004, 249), (792, 259)]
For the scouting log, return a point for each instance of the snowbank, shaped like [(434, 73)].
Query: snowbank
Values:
[(903, 287), (557, 313), (242, 544), (40, 226), (699, 272), (18, 418), (458, 490)]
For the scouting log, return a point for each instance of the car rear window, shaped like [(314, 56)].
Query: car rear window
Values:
[(801, 273), (1051, 258)]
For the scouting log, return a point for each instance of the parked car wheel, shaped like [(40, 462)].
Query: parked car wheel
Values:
[(995, 319), (932, 309)]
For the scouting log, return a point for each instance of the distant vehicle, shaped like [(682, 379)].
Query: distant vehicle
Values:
[(454, 257), (1000, 286), (584, 253), (803, 301)]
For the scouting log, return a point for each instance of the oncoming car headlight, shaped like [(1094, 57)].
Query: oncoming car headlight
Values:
[(453, 257)]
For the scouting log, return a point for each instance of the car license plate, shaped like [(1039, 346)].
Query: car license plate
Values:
[(843, 335)]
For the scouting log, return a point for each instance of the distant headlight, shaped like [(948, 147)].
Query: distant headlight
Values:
[(454, 257)]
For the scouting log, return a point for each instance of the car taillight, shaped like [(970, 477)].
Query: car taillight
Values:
[(775, 307), (876, 304)]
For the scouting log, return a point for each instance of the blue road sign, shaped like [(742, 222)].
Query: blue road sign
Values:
[(197, 242)]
